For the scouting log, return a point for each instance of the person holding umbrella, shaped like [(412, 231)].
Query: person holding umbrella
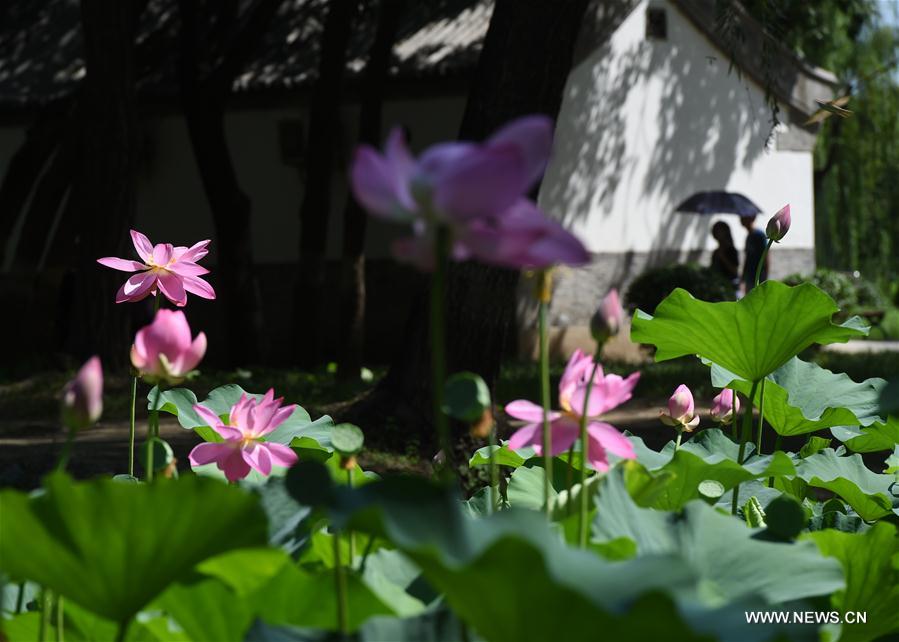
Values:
[(724, 259)]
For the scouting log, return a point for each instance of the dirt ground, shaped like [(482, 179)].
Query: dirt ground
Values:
[(29, 449)]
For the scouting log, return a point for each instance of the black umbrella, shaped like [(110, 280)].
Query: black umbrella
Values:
[(719, 202)]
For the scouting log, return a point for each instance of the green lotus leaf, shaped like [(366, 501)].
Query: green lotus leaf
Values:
[(720, 549), (503, 454), (871, 495), (870, 561), (91, 541), (466, 558), (803, 397), (751, 337), (708, 456)]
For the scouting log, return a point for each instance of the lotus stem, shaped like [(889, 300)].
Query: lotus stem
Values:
[(131, 426), (758, 444), (744, 438), (340, 586), (46, 599), (585, 500), (153, 432), (122, 630), (66, 451), (349, 482), (778, 442), (494, 478), (60, 624), (20, 599), (365, 553), (569, 478), (680, 434), (438, 343), (543, 296), (758, 268)]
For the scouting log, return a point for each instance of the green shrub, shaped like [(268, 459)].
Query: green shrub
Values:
[(888, 330), (653, 285), (851, 293)]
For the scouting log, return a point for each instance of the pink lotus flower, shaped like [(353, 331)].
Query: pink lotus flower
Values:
[(779, 224), (243, 447), (681, 410), (164, 351), (82, 397), (476, 190), (608, 318), (165, 268), (725, 406), (607, 392)]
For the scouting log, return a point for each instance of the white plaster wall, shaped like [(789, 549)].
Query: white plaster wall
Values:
[(646, 123)]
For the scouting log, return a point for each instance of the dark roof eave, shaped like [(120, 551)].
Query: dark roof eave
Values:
[(796, 83)]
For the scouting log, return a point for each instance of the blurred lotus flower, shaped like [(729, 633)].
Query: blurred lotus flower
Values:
[(779, 224), (243, 447), (82, 397), (475, 190), (681, 410), (725, 406), (165, 268), (164, 351), (608, 318), (607, 392)]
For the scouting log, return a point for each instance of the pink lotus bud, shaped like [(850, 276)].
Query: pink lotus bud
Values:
[(608, 319), (680, 410), (725, 406), (681, 402), (779, 224), (163, 350), (82, 397)]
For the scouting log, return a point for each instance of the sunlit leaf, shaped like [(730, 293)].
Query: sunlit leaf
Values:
[(872, 495), (802, 397), (751, 337)]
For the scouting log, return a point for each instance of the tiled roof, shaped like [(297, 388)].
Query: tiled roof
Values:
[(40, 46)]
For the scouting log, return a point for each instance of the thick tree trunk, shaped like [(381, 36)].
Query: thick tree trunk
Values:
[(355, 219), (103, 194), (315, 210), (203, 100), (25, 166), (528, 52), (49, 195)]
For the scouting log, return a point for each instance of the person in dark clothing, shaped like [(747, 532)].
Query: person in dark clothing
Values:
[(755, 247), (725, 258)]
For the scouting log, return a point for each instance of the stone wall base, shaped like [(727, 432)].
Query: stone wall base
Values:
[(578, 291)]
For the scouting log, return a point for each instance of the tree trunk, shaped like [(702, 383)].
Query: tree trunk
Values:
[(203, 100), (103, 194), (527, 54), (355, 219), (324, 123), (49, 195), (25, 166)]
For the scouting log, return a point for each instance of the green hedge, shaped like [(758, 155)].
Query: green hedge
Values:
[(650, 287)]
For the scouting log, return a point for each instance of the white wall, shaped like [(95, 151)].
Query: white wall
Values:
[(646, 123)]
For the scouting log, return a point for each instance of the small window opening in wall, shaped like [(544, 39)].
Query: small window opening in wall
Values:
[(656, 24)]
